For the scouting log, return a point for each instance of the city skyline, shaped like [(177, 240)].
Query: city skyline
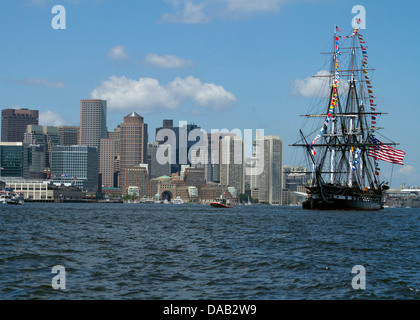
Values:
[(219, 66)]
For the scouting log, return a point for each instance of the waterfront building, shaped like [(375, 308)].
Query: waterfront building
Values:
[(14, 122), (92, 122), (77, 165), (138, 176), (408, 197), (212, 191), (191, 189), (14, 159), (133, 191), (41, 190), (68, 135), (133, 144), (296, 177), (295, 181), (45, 136), (194, 177), (271, 179)]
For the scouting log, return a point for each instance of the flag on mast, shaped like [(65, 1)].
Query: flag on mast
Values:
[(385, 153)]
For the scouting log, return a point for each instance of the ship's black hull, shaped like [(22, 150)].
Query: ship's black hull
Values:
[(316, 204), (341, 198)]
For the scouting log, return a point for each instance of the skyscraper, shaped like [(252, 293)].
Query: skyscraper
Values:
[(257, 155), (14, 122), (212, 158), (181, 142), (116, 135), (14, 159), (133, 143), (92, 122), (44, 136), (155, 168), (271, 179), (231, 163), (78, 164), (69, 135), (106, 162)]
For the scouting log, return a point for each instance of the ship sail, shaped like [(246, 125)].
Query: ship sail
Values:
[(345, 150)]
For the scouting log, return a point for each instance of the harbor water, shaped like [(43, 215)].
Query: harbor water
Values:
[(172, 252)]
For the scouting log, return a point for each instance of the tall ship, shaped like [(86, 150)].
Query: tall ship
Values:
[(344, 143)]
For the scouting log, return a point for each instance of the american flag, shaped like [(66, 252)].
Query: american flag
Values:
[(337, 29), (385, 153)]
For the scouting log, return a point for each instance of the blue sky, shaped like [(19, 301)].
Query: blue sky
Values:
[(218, 64)]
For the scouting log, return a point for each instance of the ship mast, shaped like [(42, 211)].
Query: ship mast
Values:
[(351, 127), (333, 119), (344, 151)]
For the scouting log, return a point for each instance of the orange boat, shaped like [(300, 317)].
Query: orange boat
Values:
[(220, 203)]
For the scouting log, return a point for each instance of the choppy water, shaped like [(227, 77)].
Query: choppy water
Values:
[(140, 251)]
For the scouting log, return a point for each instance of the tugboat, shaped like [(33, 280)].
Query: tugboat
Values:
[(220, 203), (345, 152)]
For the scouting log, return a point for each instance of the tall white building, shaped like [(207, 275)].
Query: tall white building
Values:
[(271, 178), (254, 178), (232, 163)]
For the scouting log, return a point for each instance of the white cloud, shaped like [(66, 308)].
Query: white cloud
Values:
[(187, 12), (407, 170), (35, 3), (147, 95), (317, 86), (39, 82), (168, 61), (117, 53), (50, 118), (203, 11), (311, 86), (406, 174), (43, 3), (252, 6)]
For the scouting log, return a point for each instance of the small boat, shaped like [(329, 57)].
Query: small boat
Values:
[(12, 198), (178, 200), (4, 199), (220, 203)]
